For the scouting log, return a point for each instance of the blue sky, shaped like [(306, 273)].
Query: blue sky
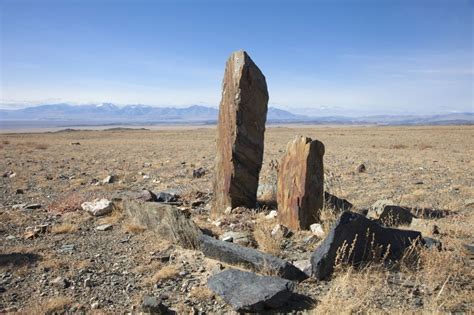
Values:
[(320, 57)]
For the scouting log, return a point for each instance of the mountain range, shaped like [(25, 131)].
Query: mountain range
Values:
[(107, 113)]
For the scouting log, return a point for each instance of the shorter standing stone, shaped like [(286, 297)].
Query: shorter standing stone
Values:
[(301, 184), (249, 292)]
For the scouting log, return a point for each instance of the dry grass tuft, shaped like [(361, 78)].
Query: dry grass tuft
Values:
[(132, 227), (41, 146), (398, 146), (64, 228), (201, 293), (112, 218), (5, 142), (67, 203), (52, 306), (263, 236), (165, 273), (328, 217)]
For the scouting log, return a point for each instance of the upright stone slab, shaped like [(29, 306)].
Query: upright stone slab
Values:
[(240, 131), (301, 183)]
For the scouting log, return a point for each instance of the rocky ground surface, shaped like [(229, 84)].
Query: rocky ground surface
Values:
[(53, 258)]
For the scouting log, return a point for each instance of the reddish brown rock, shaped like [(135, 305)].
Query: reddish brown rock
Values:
[(300, 193), (240, 131)]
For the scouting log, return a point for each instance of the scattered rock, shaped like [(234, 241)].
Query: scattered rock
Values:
[(432, 243), (391, 215), (61, 282), (241, 238), (146, 195), (19, 192), (272, 215), (352, 235), (166, 197), (427, 213), (336, 203), (9, 174), (104, 227), (199, 172), (249, 292), (98, 207), (10, 237), (300, 194), (240, 134), (361, 168), (27, 206), (75, 143), (280, 231), (435, 230), (235, 254), (468, 249), (303, 265), (109, 179), (67, 248), (166, 220), (317, 230), (153, 305)]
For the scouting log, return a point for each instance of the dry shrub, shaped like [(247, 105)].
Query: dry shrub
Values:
[(354, 291), (64, 228), (398, 146), (51, 306), (447, 276), (67, 203), (132, 227), (264, 238), (165, 273), (328, 216), (5, 142), (112, 218), (424, 146), (201, 293), (41, 146)]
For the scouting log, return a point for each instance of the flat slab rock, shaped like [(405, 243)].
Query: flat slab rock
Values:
[(359, 235), (249, 292), (235, 254)]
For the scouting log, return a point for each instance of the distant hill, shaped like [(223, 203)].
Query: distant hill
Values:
[(108, 112)]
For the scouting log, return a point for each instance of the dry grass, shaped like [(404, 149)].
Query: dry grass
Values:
[(51, 306), (201, 293), (266, 242), (112, 218), (398, 146), (67, 203), (165, 273), (41, 146), (132, 227), (64, 228)]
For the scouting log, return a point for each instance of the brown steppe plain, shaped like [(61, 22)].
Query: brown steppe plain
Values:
[(110, 271)]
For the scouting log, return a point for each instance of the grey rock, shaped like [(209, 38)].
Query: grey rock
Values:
[(317, 230), (146, 195), (235, 254), (104, 227), (109, 179), (358, 234), (389, 214), (249, 292), (303, 265), (432, 243), (241, 238), (67, 248), (166, 220), (361, 168), (166, 197), (98, 207), (199, 172), (153, 305)]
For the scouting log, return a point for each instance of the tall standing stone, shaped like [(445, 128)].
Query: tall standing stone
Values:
[(240, 132), (300, 193)]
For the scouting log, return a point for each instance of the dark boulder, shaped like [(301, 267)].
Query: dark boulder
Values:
[(354, 239), (336, 203), (249, 292)]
